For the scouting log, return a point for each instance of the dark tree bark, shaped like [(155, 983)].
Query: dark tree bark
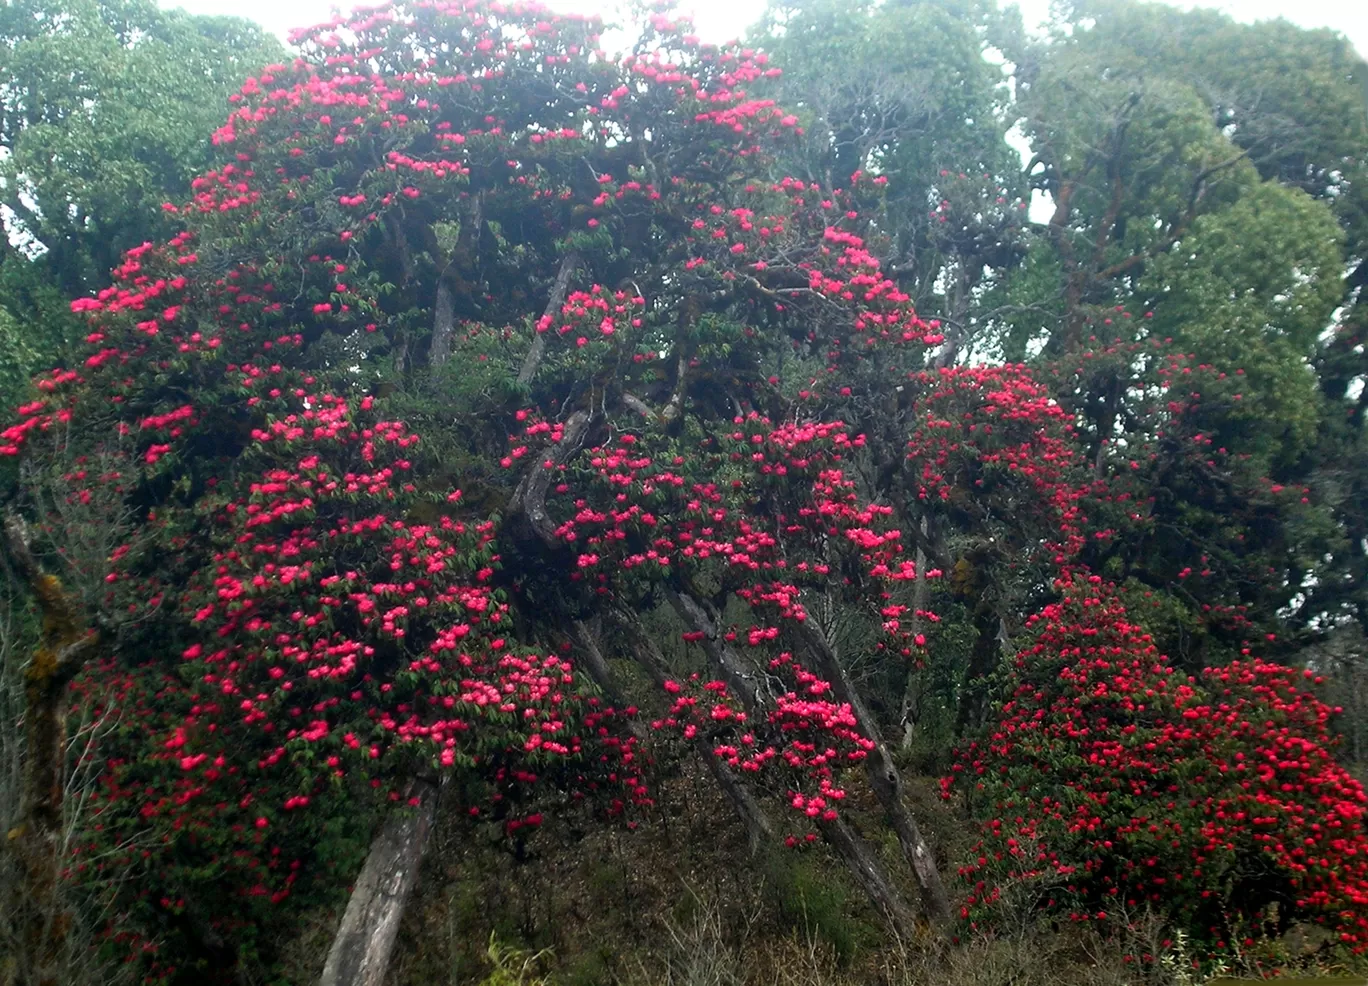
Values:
[(759, 829), (529, 499), (987, 652), (911, 699), (38, 838), (869, 874), (443, 325), (883, 776), (559, 288), (863, 865)]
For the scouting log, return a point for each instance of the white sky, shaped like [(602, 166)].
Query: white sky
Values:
[(720, 20)]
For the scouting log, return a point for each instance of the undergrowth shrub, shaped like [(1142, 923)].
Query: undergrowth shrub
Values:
[(1108, 782)]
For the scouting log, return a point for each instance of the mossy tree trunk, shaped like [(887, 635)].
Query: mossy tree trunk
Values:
[(36, 841)]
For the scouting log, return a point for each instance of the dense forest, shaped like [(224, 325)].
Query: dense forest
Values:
[(483, 508)]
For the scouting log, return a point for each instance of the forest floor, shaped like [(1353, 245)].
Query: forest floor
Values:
[(679, 900)]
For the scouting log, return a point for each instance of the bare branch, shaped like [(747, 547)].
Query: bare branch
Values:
[(558, 292)]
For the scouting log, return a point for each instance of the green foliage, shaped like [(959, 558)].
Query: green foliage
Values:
[(1293, 99), (1154, 168), (1272, 264), (810, 901), (910, 92), (512, 966), (105, 113), (18, 358), (902, 88), (107, 110), (1253, 286)]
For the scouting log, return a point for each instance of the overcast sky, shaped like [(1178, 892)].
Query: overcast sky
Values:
[(720, 20)]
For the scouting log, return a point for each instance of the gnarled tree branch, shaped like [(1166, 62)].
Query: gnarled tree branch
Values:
[(759, 828), (559, 289), (529, 499), (860, 861), (883, 774)]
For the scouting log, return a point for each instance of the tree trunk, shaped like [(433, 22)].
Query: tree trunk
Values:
[(983, 660), (733, 669), (859, 860), (361, 950), (443, 325), (883, 776), (559, 288), (529, 498), (37, 840), (864, 866), (759, 829), (911, 700)]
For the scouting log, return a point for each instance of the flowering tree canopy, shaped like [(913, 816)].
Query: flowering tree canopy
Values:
[(1115, 781), (479, 346)]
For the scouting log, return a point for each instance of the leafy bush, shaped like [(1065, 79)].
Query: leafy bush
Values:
[(1108, 781)]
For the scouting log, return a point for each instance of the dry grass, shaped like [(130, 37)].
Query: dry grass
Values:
[(679, 902)]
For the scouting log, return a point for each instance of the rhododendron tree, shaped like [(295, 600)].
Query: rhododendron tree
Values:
[(304, 605), (1230, 546), (480, 355), (1116, 782)]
